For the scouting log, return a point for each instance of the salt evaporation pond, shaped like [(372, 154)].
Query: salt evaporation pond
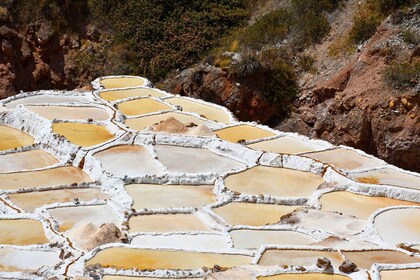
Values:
[(406, 274), (286, 145), (28, 160), (115, 277), (11, 138), (70, 113), (142, 106), (22, 232), (365, 259), (298, 257), (141, 123), (243, 132), (121, 82), (83, 134), (113, 95), (48, 99), (305, 276), (388, 176), (14, 259)]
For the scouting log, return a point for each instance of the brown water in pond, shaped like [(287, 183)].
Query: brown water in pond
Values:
[(19, 259), (142, 106), (399, 225), (119, 161), (42, 178), (83, 134), (121, 82), (389, 177), (254, 239), (280, 182), (243, 132), (22, 232), (11, 138), (305, 276), (360, 206), (365, 259), (126, 258), (252, 214), (166, 223), (170, 196), (48, 99), (298, 257), (403, 274), (194, 160), (31, 200), (345, 159), (26, 161), (286, 145), (209, 112), (147, 121), (70, 113), (113, 95)]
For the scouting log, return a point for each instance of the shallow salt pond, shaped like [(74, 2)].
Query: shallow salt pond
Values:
[(23, 260), (252, 214), (286, 145), (115, 277), (70, 113), (11, 138), (166, 223), (126, 258), (170, 196), (243, 132), (48, 99), (345, 159), (194, 160), (147, 121), (365, 259), (65, 175), (388, 176), (121, 82), (142, 106), (83, 134), (298, 257), (206, 111), (113, 95), (26, 161), (360, 206), (305, 276), (130, 160), (399, 225), (406, 274), (31, 200), (280, 182), (22, 232), (72, 217), (254, 239)]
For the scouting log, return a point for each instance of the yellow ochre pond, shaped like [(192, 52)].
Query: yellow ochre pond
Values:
[(121, 82), (243, 132), (11, 138), (22, 232), (142, 106), (112, 95), (83, 134)]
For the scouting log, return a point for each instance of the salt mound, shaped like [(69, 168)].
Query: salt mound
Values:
[(172, 125), (88, 236)]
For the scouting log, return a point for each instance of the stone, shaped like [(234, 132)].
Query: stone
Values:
[(347, 266)]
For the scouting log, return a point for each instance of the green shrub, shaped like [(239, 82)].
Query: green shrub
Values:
[(306, 63), (248, 66), (387, 6), (410, 37), (311, 29), (365, 23), (402, 75)]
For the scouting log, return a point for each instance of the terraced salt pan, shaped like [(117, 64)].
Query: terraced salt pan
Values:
[(142, 123), (24, 260), (365, 259), (11, 138), (22, 232), (252, 214), (112, 95), (345, 159), (286, 145), (69, 113), (399, 225), (170, 196), (121, 82), (305, 257), (194, 160), (130, 160), (83, 134), (48, 99), (29, 201), (113, 277), (166, 223), (406, 274), (206, 111), (305, 276), (243, 132), (27, 160), (73, 217), (65, 175), (126, 258), (280, 182), (360, 206), (388, 176), (254, 239), (142, 106)]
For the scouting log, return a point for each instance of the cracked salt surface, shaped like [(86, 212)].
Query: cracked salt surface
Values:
[(88, 191)]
